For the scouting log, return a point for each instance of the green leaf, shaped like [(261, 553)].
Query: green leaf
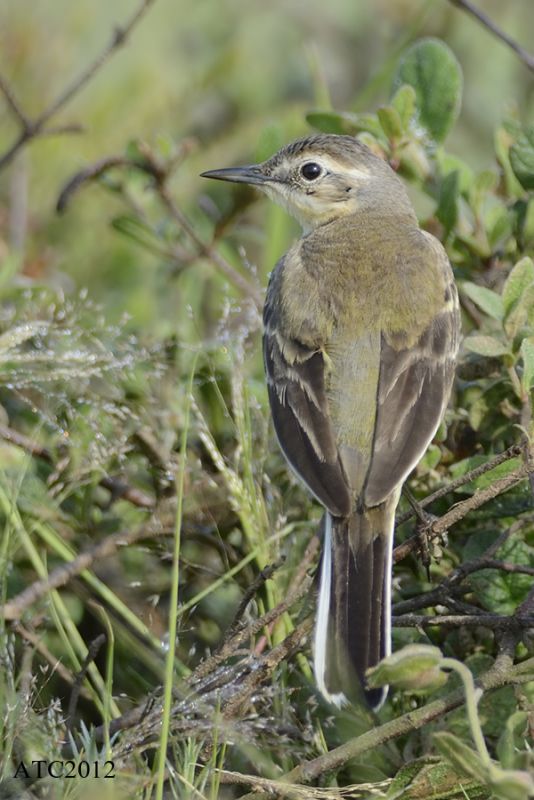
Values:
[(522, 157), (448, 163), (486, 346), (343, 122), (527, 354), (449, 196), (414, 162), (141, 233), (416, 667), (503, 142), (404, 102), (436, 76), (521, 276), (511, 784), (512, 739), (521, 314), (327, 121), (487, 300), (463, 759), (498, 221), (390, 121), (271, 139), (498, 591)]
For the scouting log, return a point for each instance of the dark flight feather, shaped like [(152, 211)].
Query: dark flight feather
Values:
[(301, 420)]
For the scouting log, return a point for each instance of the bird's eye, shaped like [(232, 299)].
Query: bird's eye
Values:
[(310, 170)]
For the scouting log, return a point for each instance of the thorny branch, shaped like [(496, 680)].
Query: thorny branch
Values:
[(438, 527), (472, 475), (38, 127)]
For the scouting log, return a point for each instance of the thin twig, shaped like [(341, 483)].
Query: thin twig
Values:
[(300, 585), (261, 578), (512, 452), (160, 173), (492, 621), (13, 103), (208, 251), (92, 652), (488, 23), (460, 510), (302, 792), (60, 576), (55, 663), (30, 129)]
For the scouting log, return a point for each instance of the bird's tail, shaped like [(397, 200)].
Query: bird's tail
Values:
[(353, 628)]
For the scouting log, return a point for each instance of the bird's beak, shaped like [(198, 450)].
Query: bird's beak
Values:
[(252, 175)]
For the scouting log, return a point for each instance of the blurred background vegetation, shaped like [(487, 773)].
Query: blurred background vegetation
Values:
[(109, 311), (239, 77)]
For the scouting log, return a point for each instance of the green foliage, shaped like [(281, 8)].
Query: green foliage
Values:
[(105, 402), (522, 157), (432, 69)]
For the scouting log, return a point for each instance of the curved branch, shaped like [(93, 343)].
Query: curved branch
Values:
[(31, 129)]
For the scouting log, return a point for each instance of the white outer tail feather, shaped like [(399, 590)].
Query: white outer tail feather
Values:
[(321, 623), (323, 608)]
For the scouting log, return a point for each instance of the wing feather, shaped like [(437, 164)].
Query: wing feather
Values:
[(302, 423), (414, 388)]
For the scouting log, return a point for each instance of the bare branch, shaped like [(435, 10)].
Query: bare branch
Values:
[(512, 452), (209, 252), (61, 575), (300, 585), (261, 578), (488, 23), (13, 103), (493, 621), (55, 663), (31, 129)]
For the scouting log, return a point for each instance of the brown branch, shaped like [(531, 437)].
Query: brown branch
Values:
[(119, 489), (512, 452), (502, 673), (60, 576), (488, 23), (160, 173), (92, 652), (494, 563), (13, 103), (208, 251), (90, 173), (493, 621), (460, 510), (31, 129), (55, 663), (261, 578), (299, 791), (300, 585)]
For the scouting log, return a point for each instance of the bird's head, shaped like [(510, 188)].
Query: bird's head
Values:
[(321, 178)]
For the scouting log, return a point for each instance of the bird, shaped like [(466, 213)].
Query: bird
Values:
[(361, 334)]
